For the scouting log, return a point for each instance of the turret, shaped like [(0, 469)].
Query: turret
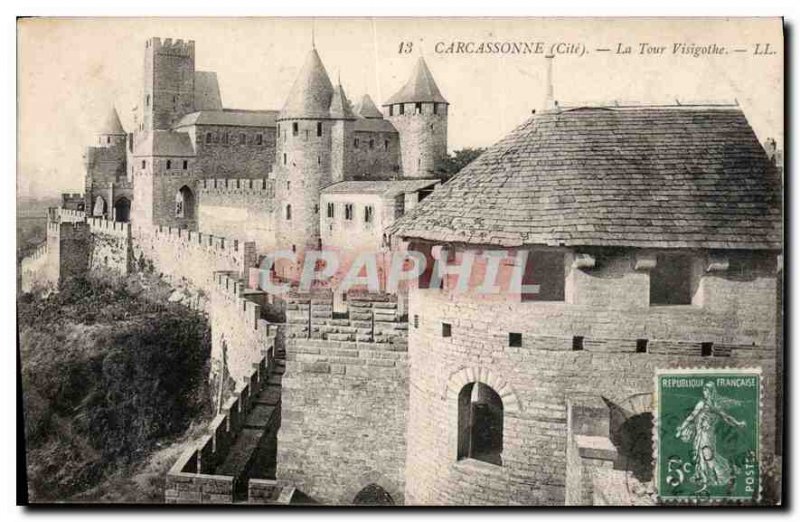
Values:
[(111, 132), (303, 155), (366, 109), (419, 113), (341, 134), (168, 92)]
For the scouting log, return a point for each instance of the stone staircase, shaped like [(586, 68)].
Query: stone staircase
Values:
[(253, 454), (237, 468)]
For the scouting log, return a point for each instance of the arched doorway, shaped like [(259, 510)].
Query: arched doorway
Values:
[(122, 210), (184, 203), (635, 445), (480, 423), (100, 208), (373, 495)]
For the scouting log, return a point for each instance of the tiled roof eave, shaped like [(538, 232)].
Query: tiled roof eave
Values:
[(465, 238)]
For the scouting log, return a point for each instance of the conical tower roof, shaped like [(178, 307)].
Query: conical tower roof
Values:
[(340, 105), (421, 87), (112, 125), (367, 109), (311, 93)]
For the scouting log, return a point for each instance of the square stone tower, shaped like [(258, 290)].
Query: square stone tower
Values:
[(168, 90)]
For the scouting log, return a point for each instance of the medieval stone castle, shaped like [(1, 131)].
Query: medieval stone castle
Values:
[(653, 232)]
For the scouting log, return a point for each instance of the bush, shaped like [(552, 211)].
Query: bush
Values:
[(106, 374)]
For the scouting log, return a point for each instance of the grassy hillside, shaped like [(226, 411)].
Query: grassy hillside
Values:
[(111, 373)]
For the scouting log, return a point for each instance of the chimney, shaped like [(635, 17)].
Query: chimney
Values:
[(771, 149), (549, 102)]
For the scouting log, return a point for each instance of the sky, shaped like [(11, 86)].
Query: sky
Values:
[(71, 71)]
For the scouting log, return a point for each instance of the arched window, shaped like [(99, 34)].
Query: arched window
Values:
[(480, 424), (100, 208), (288, 212), (373, 495), (122, 210), (184, 203)]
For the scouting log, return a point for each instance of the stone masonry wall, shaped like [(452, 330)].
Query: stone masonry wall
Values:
[(227, 156), (111, 245), (193, 479), (343, 418), (34, 270), (536, 379), (369, 318), (68, 250), (191, 256), (236, 322), (423, 138), (243, 208)]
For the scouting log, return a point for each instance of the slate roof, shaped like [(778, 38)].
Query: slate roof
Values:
[(366, 108), (388, 188), (311, 93), (229, 117), (420, 87), (111, 125), (165, 143), (206, 91), (341, 109), (373, 125), (663, 177)]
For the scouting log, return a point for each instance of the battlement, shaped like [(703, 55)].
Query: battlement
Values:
[(231, 289), (65, 215), (200, 476), (59, 228), (171, 47), (369, 318), (108, 227), (71, 197), (40, 252), (256, 186), (189, 237), (33, 269)]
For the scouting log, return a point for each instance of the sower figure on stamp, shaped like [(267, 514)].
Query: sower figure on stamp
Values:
[(711, 468)]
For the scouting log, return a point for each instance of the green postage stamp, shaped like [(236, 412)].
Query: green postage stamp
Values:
[(707, 434)]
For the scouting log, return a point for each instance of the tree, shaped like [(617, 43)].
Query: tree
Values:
[(459, 159)]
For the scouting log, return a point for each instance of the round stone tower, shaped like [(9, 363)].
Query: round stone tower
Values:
[(111, 132), (303, 162), (419, 113)]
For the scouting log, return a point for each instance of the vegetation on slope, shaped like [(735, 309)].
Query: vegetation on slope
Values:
[(109, 375)]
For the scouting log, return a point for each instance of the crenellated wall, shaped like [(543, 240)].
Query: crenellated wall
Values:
[(368, 318), (34, 270), (344, 397), (203, 473), (181, 254), (111, 245), (66, 215), (238, 327), (243, 208)]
